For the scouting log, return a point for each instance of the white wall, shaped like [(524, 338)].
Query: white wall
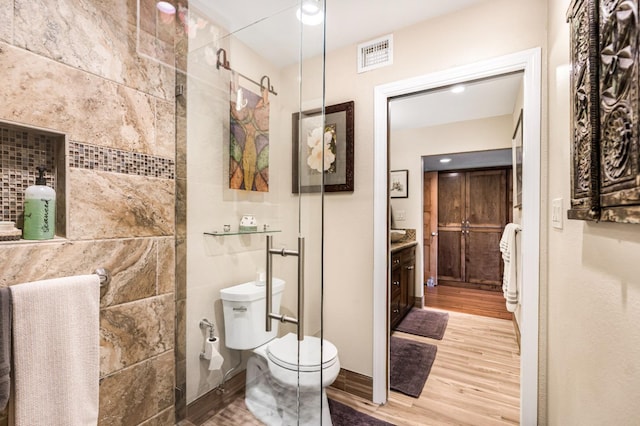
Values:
[(593, 292), (349, 234), (407, 147)]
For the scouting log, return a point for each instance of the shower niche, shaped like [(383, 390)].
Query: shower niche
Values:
[(22, 149)]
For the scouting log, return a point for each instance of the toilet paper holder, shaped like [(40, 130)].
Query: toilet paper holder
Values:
[(205, 324)]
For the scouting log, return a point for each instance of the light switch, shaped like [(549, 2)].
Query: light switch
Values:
[(400, 215), (556, 213)]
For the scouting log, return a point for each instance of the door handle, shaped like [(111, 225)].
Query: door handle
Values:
[(269, 285), (434, 234)]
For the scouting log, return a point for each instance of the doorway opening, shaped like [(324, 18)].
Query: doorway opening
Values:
[(530, 63)]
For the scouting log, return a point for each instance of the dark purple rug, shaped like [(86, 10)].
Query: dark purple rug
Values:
[(343, 415), (410, 365), (423, 322)]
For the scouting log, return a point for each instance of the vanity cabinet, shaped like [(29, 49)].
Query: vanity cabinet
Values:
[(403, 277)]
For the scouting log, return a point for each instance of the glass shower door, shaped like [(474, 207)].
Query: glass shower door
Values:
[(257, 140)]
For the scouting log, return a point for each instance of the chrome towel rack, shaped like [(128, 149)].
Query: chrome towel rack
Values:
[(105, 277)]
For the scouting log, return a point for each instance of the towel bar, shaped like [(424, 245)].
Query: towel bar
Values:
[(105, 276)]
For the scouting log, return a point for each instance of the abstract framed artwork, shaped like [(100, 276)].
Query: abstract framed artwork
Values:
[(322, 149), (249, 142), (399, 183)]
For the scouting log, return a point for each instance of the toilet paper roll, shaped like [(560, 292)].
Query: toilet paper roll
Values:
[(212, 353)]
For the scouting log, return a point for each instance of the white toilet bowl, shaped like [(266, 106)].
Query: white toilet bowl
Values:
[(273, 377), (281, 371)]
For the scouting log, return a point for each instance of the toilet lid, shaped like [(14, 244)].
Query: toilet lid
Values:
[(284, 352)]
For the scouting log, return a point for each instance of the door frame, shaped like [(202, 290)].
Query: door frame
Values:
[(528, 61), (433, 224)]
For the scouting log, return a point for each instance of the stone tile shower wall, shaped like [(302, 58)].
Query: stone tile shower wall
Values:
[(72, 67)]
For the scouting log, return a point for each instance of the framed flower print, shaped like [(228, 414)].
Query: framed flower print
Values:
[(322, 149)]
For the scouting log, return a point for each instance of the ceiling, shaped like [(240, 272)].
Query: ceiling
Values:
[(481, 99), (485, 98), (275, 33), (468, 160)]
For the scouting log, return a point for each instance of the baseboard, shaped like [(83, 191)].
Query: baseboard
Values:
[(209, 404), (418, 302), (355, 384), (477, 286), (517, 329)]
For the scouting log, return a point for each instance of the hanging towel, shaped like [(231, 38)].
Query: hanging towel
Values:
[(509, 255), (56, 351), (5, 346)]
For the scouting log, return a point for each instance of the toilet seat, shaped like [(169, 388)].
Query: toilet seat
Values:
[(284, 353)]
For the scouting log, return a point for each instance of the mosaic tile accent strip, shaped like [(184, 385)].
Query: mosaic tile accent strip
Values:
[(107, 159), (21, 152)]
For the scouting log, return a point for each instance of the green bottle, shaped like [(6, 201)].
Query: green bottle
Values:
[(39, 210)]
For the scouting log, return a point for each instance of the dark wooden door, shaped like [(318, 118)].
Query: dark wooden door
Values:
[(486, 216), (451, 248), (472, 214)]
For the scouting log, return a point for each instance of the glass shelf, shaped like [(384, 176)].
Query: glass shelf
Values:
[(223, 234)]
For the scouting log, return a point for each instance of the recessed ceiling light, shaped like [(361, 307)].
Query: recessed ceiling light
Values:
[(458, 88), (166, 7), (310, 13), (310, 7), (445, 160)]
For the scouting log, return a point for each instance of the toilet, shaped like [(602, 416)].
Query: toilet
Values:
[(273, 373)]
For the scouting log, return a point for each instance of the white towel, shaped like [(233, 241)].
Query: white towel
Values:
[(509, 255), (56, 351)]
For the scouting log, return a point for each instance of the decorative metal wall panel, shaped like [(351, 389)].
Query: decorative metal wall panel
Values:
[(583, 17), (605, 172), (619, 168)]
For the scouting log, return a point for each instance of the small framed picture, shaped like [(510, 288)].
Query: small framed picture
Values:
[(399, 183)]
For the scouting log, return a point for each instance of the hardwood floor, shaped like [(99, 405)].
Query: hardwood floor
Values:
[(474, 381), (470, 301)]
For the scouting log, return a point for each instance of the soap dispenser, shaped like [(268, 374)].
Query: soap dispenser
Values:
[(39, 210)]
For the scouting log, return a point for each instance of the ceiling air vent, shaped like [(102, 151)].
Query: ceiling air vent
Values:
[(375, 53)]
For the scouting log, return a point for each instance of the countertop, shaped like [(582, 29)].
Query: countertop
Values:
[(401, 245)]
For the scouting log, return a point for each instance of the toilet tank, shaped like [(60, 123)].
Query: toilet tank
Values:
[(244, 314)]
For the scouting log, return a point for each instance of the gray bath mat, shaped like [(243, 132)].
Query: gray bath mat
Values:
[(423, 322), (343, 415), (410, 365)]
